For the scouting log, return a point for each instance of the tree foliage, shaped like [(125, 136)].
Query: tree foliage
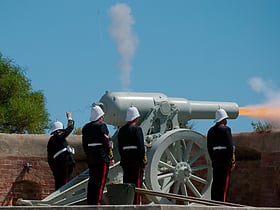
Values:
[(78, 131), (22, 110), (262, 126)]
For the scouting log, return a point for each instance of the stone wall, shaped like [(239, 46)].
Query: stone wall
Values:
[(25, 172)]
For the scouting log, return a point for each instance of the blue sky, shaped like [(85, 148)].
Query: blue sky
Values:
[(199, 50)]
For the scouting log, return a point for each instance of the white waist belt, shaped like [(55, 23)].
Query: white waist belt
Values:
[(59, 152), (94, 144), (219, 148), (129, 147)]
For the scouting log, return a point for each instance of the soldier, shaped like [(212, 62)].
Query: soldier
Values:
[(60, 153), (221, 151), (98, 148), (132, 151)]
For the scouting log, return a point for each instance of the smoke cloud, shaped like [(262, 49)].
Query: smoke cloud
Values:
[(268, 88), (126, 41)]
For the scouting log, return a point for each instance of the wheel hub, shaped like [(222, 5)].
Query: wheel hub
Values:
[(182, 171)]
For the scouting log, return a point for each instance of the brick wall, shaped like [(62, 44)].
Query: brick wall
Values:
[(35, 182), (255, 180)]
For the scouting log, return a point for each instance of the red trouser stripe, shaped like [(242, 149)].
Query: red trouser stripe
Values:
[(137, 195), (103, 181), (227, 184)]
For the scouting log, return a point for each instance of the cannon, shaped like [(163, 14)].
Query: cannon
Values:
[(178, 161)]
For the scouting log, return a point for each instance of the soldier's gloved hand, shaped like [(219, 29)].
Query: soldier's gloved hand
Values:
[(71, 149), (69, 115)]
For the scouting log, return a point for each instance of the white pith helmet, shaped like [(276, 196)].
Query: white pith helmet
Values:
[(131, 114), (56, 126), (96, 113), (220, 115)]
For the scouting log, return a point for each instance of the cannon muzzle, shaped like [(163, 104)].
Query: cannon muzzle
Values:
[(115, 105)]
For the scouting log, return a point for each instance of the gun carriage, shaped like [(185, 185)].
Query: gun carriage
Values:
[(178, 161)]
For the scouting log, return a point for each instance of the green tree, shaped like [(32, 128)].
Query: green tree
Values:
[(78, 131), (261, 126), (22, 110)]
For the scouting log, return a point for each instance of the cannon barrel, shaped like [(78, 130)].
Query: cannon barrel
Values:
[(115, 105)]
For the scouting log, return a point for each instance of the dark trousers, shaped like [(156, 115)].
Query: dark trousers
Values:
[(62, 176), (133, 174), (221, 181), (97, 179)]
